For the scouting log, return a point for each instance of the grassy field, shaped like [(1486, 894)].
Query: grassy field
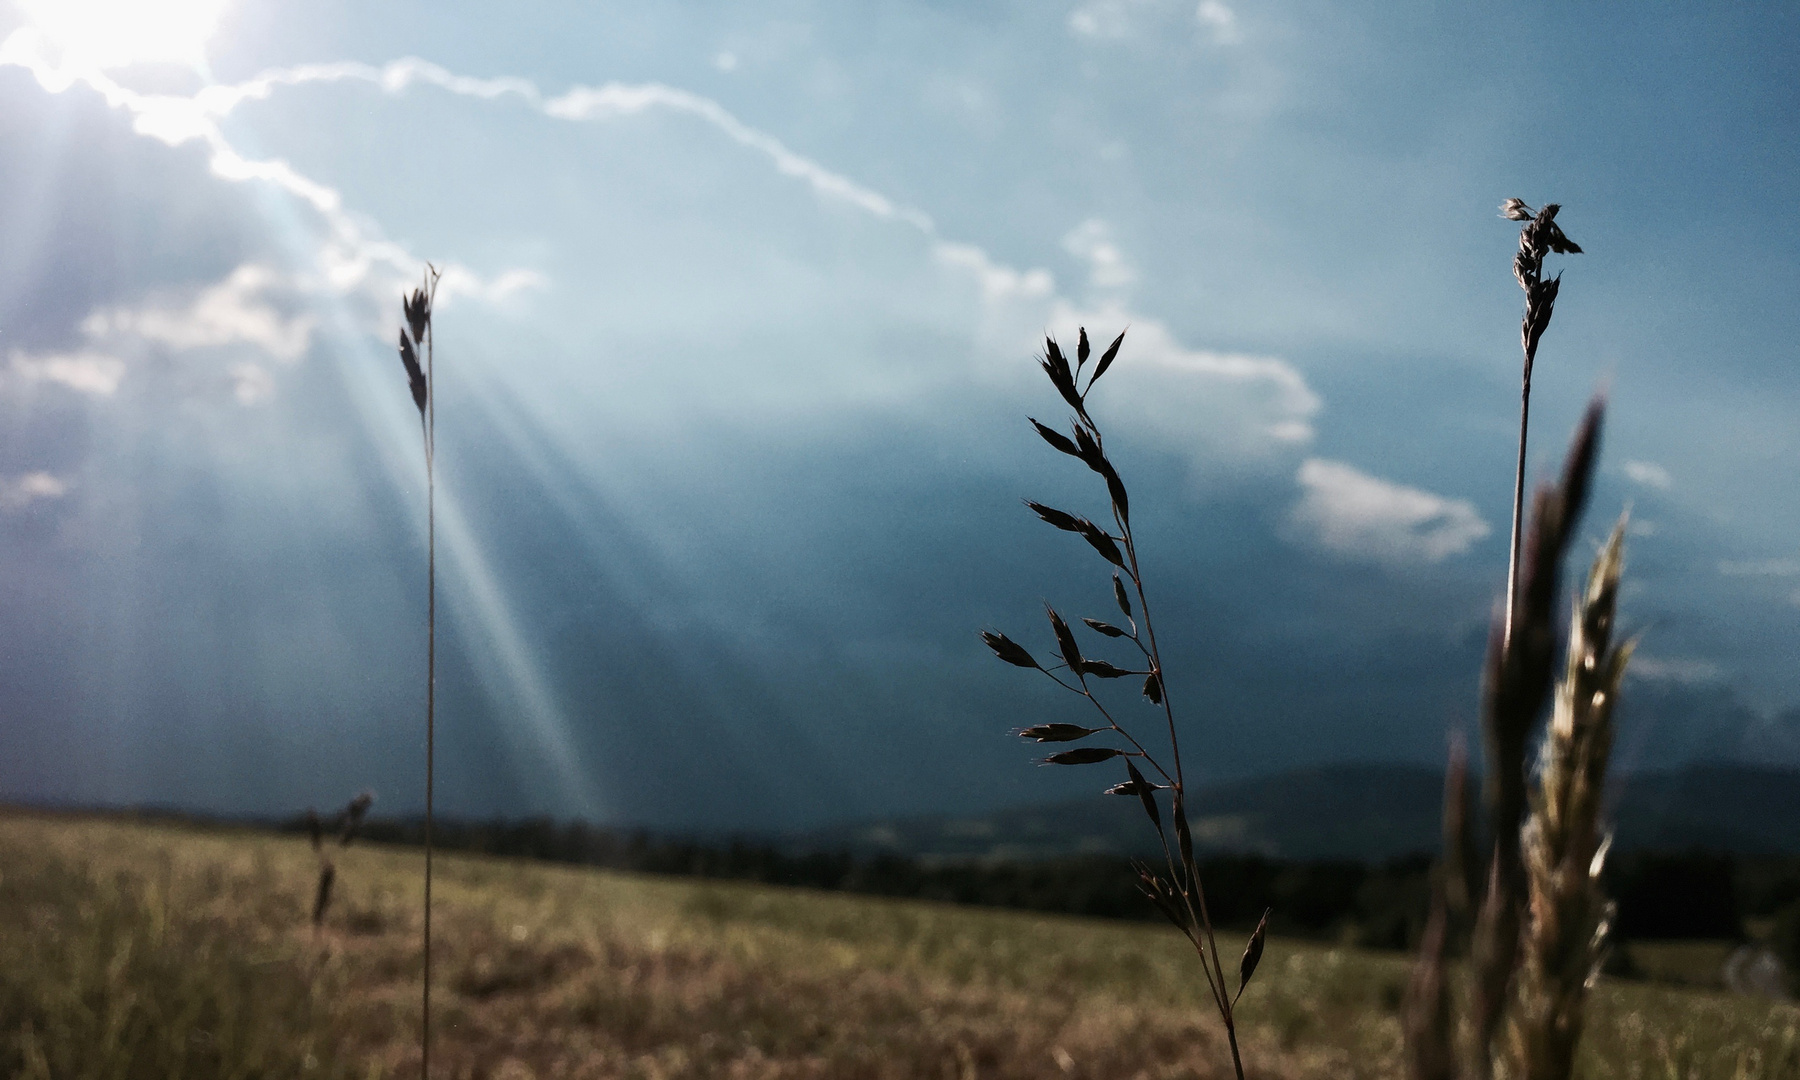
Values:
[(130, 950)]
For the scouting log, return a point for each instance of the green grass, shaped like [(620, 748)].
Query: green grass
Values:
[(132, 950)]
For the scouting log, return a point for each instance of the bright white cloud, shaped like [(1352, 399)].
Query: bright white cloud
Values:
[(351, 258), (19, 492), (1196, 401), (1649, 474), (115, 33), (1351, 513)]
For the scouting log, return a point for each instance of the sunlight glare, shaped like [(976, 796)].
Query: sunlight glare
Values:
[(118, 33)]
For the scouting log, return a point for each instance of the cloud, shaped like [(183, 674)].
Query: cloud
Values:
[(1649, 474), (236, 318), (1197, 401), (1686, 670), (1220, 20), (19, 492), (85, 372), (352, 256), (1092, 241), (235, 311), (1351, 513)]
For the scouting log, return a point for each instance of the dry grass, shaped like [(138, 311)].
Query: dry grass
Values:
[(194, 947)]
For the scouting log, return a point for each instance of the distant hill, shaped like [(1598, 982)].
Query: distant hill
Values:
[(1352, 811)]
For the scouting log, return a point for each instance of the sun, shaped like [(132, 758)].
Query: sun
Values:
[(119, 33)]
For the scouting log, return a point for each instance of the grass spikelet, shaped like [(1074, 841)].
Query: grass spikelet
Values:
[(1563, 841)]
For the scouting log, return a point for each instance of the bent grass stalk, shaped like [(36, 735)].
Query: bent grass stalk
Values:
[(1178, 893), (416, 337)]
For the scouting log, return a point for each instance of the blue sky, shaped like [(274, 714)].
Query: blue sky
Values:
[(738, 319)]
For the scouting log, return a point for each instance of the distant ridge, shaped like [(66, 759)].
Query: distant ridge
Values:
[(1353, 811)]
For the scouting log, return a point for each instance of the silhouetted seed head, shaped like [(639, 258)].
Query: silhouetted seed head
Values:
[(1540, 236), (1056, 732), (1119, 595), (1056, 365), (1106, 359), (415, 375), (1065, 640), (1100, 669), (1081, 349), (1146, 793), (1007, 649), (1153, 689), (1102, 542), (1063, 521), (1054, 354), (1083, 755), (1086, 448), (1056, 439), (1153, 886), (418, 313), (1104, 628), (1540, 304), (1253, 952)]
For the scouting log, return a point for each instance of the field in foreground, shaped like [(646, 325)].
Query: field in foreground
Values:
[(132, 950)]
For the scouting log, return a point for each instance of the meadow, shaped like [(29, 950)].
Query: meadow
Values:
[(130, 949)]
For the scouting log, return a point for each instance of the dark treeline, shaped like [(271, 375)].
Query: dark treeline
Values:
[(1660, 895)]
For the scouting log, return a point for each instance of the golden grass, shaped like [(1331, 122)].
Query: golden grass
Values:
[(136, 950)]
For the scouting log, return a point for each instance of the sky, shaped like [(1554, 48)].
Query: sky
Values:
[(737, 328)]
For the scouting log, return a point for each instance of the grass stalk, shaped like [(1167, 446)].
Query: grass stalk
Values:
[(1177, 891), (416, 338), (1523, 944), (1540, 236)]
